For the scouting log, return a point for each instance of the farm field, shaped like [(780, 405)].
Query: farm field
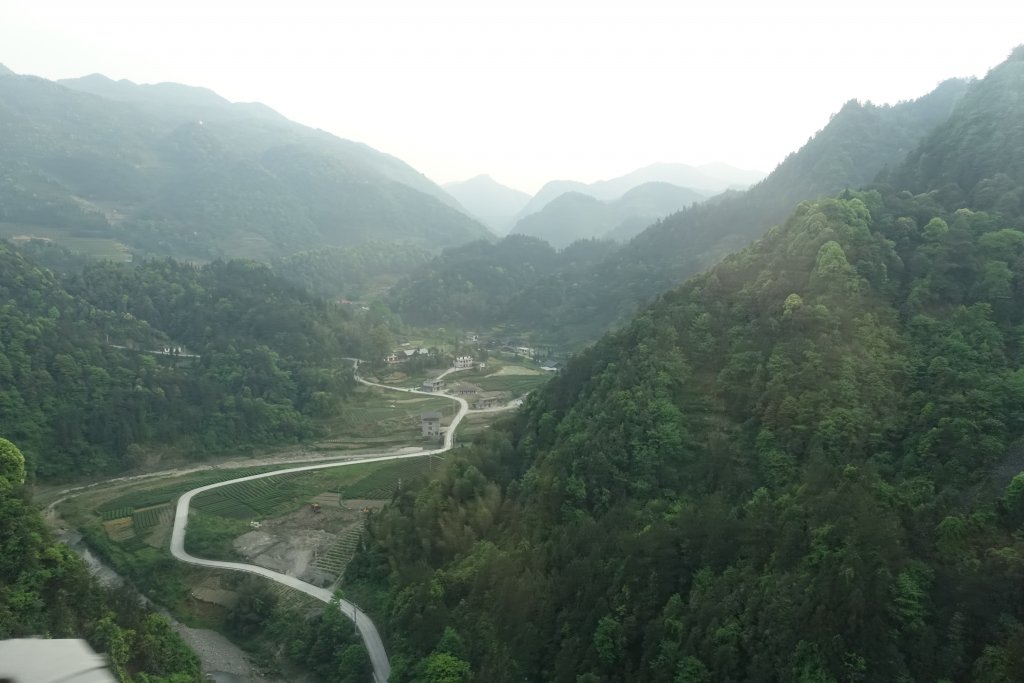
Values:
[(382, 414), (517, 385), (99, 248)]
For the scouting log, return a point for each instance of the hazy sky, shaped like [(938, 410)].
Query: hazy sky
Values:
[(529, 91)]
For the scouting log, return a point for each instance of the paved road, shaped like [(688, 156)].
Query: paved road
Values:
[(367, 629)]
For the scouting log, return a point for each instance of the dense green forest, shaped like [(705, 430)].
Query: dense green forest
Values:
[(173, 170), (803, 465), (46, 590), (470, 286), (101, 362)]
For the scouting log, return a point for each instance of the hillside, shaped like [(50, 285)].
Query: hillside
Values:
[(575, 216), (492, 203), (173, 170), (98, 365), (470, 286), (859, 141), (802, 465)]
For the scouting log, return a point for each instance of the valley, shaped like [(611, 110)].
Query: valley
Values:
[(275, 405)]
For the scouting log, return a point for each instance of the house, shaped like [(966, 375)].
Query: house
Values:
[(431, 425), (549, 367), (490, 399), (464, 362), (465, 389), (433, 385), (524, 351), (391, 358), (481, 365)]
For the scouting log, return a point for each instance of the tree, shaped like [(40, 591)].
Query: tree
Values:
[(12, 466)]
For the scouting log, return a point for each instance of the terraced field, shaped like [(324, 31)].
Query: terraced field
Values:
[(250, 499), (341, 553)]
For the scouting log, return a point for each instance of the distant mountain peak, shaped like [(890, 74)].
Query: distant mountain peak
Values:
[(4, 71), (488, 200)]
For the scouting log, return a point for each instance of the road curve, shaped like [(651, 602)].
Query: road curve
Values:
[(366, 627)]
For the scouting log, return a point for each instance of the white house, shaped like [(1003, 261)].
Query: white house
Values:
[(464, 362)]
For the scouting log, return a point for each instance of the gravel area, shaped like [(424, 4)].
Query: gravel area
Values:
[(223, 661)]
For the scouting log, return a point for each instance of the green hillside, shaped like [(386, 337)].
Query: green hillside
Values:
[(98, 364), (803, 465), (471, 285)]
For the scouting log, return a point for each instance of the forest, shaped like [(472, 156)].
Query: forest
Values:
[(100, 363), (46, 590), (802, 465)]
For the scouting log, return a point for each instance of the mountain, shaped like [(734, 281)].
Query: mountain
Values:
[(859, 141), (706, 180), (488, 200), (804, 464), (567, 218), (709, 179), (470, 286), (169, 169), (573, 216)]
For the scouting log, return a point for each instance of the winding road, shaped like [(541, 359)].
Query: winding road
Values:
[(366, 627)]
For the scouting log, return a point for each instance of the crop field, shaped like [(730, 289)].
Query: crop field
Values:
[(516, 384), (127, 503), (116, 513), (337, 557), (249, 499), (378, 413), (150, 517), (381, 483), (101, 248)]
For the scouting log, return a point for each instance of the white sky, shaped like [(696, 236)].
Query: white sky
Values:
[(530, 91)]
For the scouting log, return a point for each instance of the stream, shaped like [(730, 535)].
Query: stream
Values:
[(222, 661)]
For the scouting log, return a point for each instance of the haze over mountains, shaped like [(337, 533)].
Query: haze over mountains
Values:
[(171, 169), (575, 307), (574, 216)]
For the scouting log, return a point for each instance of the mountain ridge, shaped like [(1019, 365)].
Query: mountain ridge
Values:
[(199, 177)]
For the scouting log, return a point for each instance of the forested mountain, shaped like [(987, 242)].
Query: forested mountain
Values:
[(470, 286), (706, 180), (574, 216), (490, 201), (97, 364), (168, 169), (859, 141), (802, 465)]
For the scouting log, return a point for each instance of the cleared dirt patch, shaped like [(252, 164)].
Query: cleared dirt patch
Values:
[(313, 546)]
